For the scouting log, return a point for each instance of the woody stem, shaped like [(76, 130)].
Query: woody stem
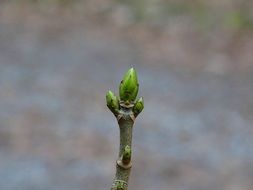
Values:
[(123, 167)]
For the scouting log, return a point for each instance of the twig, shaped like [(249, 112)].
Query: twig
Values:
[(126, 109)]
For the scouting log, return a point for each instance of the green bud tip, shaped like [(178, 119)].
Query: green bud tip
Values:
[(120, 186), (112, 101), (128, 88), (127, 150), (139, 105), (126, 154)]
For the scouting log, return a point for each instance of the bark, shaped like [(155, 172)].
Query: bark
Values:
[(123, 165)]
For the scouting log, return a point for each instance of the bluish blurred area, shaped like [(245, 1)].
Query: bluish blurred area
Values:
[(195, 66)]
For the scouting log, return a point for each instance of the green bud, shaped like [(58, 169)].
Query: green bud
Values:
[(126, 155), (112, 101), (128, 88), (120, 186), (139, 105)]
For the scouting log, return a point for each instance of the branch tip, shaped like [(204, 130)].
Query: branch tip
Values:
[(128, 88), (125, 108)]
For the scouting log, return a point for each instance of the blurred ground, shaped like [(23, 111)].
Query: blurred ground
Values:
[(195, 65)]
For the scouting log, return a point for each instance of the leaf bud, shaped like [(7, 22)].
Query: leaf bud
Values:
[(138, 106), (128, 88), (112, 101)]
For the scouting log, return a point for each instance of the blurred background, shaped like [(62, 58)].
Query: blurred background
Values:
[(194, 60)]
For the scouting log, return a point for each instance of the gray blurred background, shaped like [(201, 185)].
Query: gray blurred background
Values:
[(195, 65)]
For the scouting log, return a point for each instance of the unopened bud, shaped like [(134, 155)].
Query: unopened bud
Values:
[(126, 158), (139, 105), (112, 101), (128, 88)]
